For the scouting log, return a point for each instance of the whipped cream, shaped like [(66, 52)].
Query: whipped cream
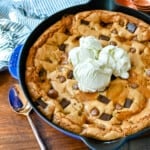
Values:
[(94, 65)]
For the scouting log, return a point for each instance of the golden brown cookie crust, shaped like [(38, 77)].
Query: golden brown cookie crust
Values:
[(123, 108)]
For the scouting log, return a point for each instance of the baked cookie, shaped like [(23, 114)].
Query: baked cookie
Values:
[(123, 108)]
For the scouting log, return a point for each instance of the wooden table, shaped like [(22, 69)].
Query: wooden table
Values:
[(16, 134)]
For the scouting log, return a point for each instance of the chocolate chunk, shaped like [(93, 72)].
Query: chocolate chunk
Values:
[(61, 79), (42, 75), (141, 52), (70, 74), (103, 99), (121, 23), (41, 103), (113, 77), (131, 27), (94, 112), (105, 117), (77, 38), (64, 103), (48, 60), (128, 103), (67, 32), (113, 43), (84, 22), (104, 37), (104, 24), (114, 31), (52, 93), (62, 47), (132, 50)]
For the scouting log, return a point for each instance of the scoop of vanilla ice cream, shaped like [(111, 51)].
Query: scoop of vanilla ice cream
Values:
[(78, 55), (94, 65), (91, 44), (123, 64), (74, 56), (117, 59), (92, 75), (89, 48), (106, 57)]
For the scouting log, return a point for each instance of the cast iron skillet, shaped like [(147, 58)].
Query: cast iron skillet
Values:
[(92, 4)]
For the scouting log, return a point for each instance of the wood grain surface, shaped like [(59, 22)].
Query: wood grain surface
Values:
[(16, 133)]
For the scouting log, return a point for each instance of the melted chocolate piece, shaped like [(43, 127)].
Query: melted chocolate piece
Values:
[(62, 47), (41, 103), (113, 77), (132, 50), (64, 103), (61, 79), (131, 27), (104, 24), (94, 112), (114, 31), (70, 74), (84, 22), (77, 38), (128, 103), (105, 117), (121, 23), (113, 43), (141, 52), (52, 93), (104, 37), (42, 75), (103, 99), (67, 32)]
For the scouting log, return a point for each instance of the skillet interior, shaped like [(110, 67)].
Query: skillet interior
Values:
[(93, 4)]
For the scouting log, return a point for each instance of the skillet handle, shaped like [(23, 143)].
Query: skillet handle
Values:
[(13, 62), (113, 145), (101, 145)]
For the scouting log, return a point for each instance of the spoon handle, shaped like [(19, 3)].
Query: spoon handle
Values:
[(41, 144)]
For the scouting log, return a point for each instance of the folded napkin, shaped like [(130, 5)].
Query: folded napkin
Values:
[(19, 17)]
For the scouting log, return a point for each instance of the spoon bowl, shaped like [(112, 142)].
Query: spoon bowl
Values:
[(20, 105), (18, 102)]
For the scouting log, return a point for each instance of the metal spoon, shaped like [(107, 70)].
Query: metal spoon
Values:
[(20, 105)]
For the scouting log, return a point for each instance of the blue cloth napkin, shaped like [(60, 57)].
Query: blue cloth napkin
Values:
[(19, 17)]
